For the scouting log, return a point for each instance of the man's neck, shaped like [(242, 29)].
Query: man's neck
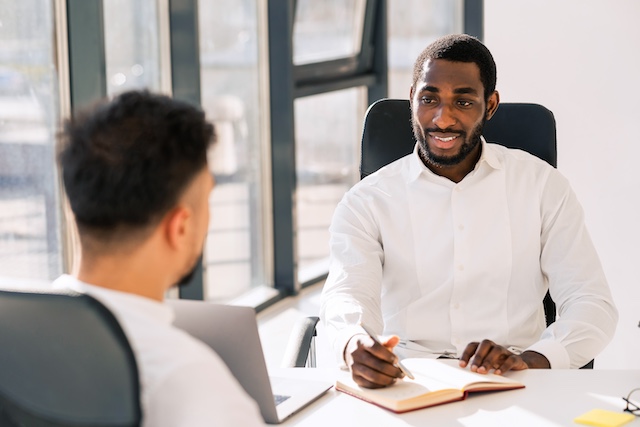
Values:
[(121, 274), (456, 173)]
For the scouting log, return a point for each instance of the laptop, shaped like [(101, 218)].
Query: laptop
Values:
[(232, 332)]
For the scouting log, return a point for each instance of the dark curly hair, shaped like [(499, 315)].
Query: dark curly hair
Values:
[(460, 48), (126, 162)]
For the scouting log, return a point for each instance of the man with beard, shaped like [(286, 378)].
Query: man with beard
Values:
[(449, 251), (135, 171)]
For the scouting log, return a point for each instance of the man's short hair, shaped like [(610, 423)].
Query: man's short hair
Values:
[(460, 48), (126, 162)]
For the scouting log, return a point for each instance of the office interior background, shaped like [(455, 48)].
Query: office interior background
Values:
[(287, 84)]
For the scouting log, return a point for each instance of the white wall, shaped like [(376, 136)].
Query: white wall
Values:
[(581, 59)]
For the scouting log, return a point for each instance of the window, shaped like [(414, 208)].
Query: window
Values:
[(330, 71), (410, 32), (326, 30), (29, 113), (132, 45), (230, 71), (328, 128)]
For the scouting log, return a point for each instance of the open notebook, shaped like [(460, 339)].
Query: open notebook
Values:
[(232, 332), (435, 383)]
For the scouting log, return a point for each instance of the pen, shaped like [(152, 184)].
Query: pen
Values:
[(399, 365)]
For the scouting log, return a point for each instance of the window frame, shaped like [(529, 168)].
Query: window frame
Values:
[(82, 78)]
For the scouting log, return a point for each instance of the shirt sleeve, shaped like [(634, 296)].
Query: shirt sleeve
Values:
[(587, 316), (200, 394), (352, 291)]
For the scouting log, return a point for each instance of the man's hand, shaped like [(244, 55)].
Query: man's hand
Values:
[(488, 356), (372, 365)]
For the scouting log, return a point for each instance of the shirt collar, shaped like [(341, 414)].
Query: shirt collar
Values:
[(417, 167), (147, 307)]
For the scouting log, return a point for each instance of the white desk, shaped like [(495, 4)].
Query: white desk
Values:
[(550, 398)]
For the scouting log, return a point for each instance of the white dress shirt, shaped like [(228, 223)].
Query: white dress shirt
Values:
[(183, 382), (442, 264)]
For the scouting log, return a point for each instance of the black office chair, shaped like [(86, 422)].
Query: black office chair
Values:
[(388, 135), (64, 361)]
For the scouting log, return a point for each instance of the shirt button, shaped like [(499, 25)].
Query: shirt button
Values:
[(456, 306), (461, 267), (461, 227)]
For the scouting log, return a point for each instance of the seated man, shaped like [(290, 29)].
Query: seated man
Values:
[(453, 247), (135, 171)]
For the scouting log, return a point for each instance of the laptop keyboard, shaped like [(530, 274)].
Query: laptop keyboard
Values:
[(279, 398)]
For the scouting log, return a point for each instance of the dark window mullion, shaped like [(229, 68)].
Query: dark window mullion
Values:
[(367, 48), (283, 164), (380, 67), (317, 88), (87, 71), (185, 85), (474, 18), (326, 70), (185, 50)]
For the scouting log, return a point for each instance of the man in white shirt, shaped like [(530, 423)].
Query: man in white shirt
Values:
[(450, 250), (135, 171)]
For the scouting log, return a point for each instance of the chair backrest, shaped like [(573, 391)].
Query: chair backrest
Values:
[(64, 361), (388, 136), (300, 351)]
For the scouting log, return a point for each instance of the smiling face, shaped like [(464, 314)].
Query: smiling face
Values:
[(448, 113)]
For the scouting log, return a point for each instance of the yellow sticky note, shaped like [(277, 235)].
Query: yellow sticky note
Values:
[(602, 418)]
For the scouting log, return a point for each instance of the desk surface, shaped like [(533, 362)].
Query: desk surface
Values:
[(550, 398)]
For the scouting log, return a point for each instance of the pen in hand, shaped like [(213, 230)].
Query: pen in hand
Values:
[(375, 339)]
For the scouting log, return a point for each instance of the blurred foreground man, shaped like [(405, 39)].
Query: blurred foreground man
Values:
[(135, 171)]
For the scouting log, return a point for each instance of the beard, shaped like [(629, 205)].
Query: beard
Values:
[(188, 277), (470, 142)]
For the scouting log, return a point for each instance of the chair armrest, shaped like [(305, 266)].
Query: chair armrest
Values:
[(588, 365), (300, 343)]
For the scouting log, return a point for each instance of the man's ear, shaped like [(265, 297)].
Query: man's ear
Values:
[(411, 97), (492, 105), (176, 223)]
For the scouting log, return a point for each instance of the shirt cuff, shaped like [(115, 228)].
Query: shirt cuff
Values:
[(555, 353), (342, 339)]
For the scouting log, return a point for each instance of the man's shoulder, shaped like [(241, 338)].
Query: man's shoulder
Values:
[(518, 160), (525, 169), (149, 329), (390, 174)]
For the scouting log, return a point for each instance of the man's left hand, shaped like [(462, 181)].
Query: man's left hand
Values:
[(488, 356)]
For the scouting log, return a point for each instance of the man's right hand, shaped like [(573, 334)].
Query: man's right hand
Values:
[(372, 365)]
